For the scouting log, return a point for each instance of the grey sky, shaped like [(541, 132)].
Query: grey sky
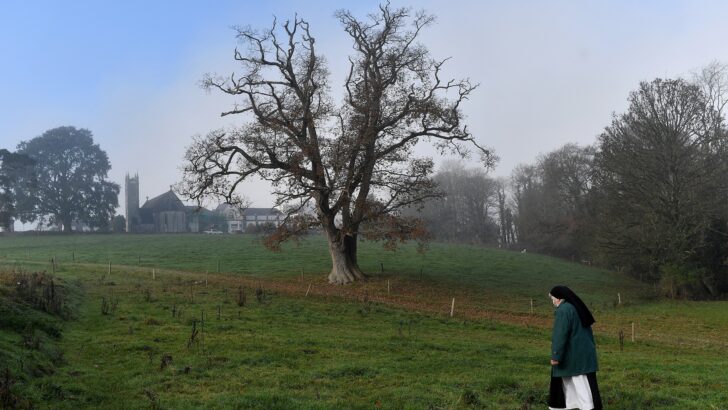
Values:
[(551, 72)]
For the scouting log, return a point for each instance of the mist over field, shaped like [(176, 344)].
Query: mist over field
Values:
[(440, 205), (549, 72)]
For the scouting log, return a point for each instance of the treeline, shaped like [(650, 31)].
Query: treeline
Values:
[(464, 212), (649, 197)]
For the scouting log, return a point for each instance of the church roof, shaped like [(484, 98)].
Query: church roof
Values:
[(194, 209), (168, 201)]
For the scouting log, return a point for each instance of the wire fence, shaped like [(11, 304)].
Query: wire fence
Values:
[(619, 323)]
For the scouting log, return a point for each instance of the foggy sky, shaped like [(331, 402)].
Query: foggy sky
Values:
[(550, 72)]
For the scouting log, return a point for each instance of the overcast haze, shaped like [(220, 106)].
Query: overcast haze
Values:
[(550, 72)]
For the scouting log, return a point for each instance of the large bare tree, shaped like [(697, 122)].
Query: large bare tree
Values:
[(352, 161)]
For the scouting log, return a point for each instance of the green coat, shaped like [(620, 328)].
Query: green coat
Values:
[(572, 344)]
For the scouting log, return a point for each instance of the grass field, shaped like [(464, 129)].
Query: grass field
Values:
[(500, 274), (358, 346)]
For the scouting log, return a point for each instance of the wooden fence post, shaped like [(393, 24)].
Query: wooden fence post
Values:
[(632, 331), (452, 307)]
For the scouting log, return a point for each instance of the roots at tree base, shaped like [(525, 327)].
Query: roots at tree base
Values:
[(345, 267), (346, 275)]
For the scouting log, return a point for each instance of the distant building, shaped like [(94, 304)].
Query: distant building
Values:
[(164, 213), (193, 217), (241, 221)]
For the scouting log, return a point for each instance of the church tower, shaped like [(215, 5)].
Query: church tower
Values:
[(131, 193)]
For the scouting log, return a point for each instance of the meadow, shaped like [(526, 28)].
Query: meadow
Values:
[(268, 331), (497, 274)]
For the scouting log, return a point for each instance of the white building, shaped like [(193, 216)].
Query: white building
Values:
[(241, 221)]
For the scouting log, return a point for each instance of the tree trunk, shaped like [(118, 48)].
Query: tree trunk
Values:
[(67, 224), (345, 268), (709, 284)]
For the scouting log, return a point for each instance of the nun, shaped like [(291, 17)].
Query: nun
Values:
[(573, 354)]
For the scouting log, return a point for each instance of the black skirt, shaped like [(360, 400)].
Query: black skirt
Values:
[(557, 399)]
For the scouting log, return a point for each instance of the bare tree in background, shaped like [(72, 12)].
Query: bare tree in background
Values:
[(353, 160), (713, 82), (552, 202), (506, 233), (466, 211), (661, 172), (527, 189), (567, 214)]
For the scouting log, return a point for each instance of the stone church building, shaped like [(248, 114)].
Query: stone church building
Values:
[(166, 213), (162, 214)]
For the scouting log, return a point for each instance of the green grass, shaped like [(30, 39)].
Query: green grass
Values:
[(325, 353), (493, 272), (322, 352)]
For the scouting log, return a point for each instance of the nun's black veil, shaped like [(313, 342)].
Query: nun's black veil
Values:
[(562, 292)]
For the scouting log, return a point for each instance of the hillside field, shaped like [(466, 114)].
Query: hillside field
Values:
[(297, 342)]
